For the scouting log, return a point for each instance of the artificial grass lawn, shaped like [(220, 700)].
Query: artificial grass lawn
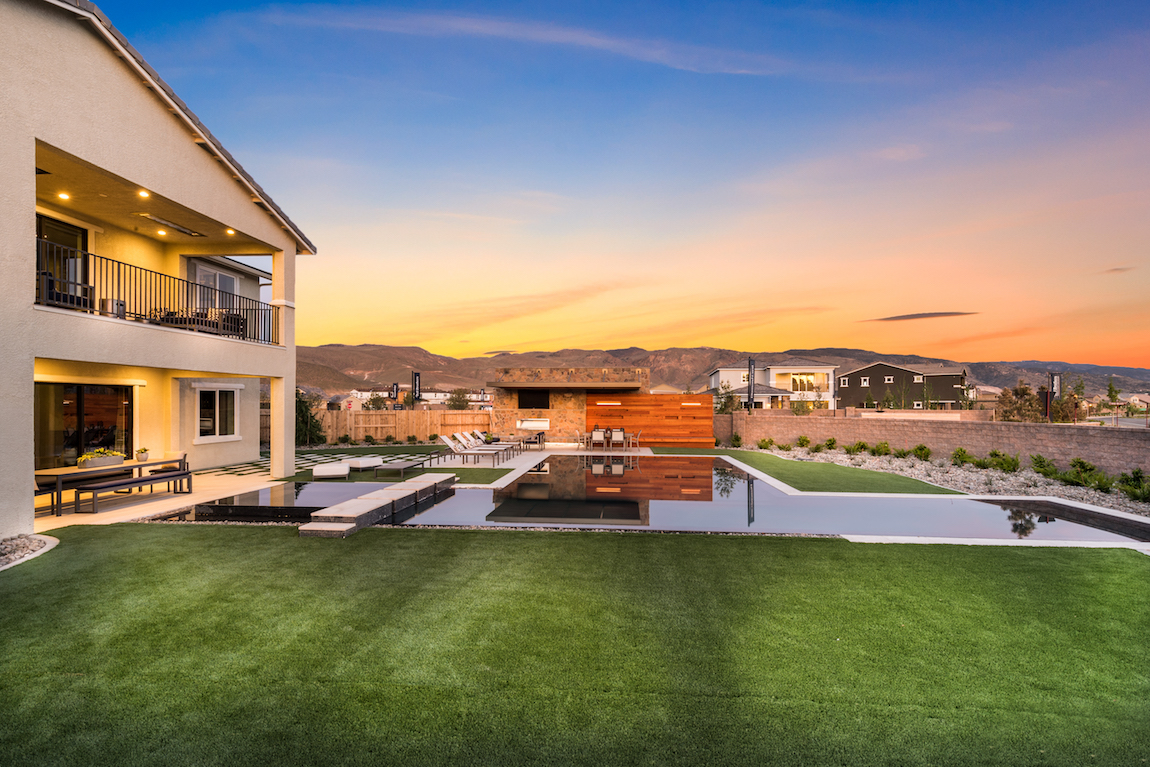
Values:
[(208, 644), (812, 477)]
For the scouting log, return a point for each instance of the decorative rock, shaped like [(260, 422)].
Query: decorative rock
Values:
[(15, 549)]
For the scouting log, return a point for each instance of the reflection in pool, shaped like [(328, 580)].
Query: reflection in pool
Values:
[(705, 494)]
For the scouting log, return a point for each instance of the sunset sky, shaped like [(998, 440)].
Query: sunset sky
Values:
[(971, 184)]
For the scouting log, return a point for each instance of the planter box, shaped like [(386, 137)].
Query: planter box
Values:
[(103, 460)]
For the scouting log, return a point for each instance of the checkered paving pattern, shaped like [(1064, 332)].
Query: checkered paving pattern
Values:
[(304, 461)]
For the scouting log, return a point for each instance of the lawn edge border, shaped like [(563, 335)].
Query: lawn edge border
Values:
[(49, 544)]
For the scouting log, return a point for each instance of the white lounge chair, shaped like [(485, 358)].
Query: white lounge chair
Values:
[(464, 452), (471, 443), (515, 447)]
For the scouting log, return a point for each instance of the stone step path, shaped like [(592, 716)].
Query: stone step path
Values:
[(343, 519)]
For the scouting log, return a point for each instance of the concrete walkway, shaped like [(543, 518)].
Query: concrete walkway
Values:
[(115, 507)]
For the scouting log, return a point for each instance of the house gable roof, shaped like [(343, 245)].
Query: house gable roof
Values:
[(941, 370), (88, 11)]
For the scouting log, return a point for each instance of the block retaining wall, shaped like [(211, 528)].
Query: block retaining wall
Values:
[(1113, 450)]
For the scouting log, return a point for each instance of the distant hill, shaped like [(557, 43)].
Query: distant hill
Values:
[(337, 369)]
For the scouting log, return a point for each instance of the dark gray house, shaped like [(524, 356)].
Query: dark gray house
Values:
[(883, 385)]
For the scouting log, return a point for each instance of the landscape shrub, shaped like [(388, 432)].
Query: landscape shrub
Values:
[(367, 438), (803, 441), (765, 444), (856, 448), (921, 452), (432, 437), (1004, 462), (716, 441), (784, 446), (818, 447), (389, 439), (981, 463), (831, 443), (412, 439), (900, 452), (1082, 473), (1134, 485), (345, 439), (882, 448), (736, 440), (960, 457), (1043, 466)]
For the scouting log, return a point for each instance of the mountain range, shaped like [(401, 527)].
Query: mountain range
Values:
[(337, 369)]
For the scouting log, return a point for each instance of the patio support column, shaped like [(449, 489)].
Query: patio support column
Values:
[(18, 320), (283, 388)]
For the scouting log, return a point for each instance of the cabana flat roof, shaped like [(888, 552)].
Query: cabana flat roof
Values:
[(589, 385)]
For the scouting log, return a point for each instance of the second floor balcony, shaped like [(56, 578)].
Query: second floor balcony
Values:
[(85, 282)]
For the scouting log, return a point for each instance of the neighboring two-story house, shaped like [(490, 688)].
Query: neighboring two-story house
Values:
[(903, 387), (780, 384), (133, 247)]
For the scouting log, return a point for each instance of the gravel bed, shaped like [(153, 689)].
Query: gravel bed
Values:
[(970, 479), (14, 549)]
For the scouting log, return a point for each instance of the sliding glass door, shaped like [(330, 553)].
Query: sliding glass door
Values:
[(73, 419)]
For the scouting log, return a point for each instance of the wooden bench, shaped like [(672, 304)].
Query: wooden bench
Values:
[(131, 483)]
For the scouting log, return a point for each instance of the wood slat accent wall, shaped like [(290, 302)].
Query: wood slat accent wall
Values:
[(666, 420)]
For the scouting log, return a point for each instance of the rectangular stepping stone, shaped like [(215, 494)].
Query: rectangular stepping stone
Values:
[(326, 530), (359, 511)]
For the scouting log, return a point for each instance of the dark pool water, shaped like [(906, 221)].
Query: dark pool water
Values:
[(689, 494)]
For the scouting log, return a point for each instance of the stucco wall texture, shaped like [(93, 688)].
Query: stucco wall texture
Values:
[(1110, 449), (51, 57)]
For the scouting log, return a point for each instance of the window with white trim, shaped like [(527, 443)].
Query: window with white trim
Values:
[(843, 382), (217, 413), (917, 405), (888, 379), (864, 381), (918, 379)]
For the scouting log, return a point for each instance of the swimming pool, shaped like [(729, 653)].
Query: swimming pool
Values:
[(705, 494)]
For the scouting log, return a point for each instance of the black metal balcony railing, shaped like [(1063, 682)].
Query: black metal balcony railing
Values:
[(76, 279)]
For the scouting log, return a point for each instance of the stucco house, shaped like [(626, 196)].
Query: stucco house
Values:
[(132, 312), (779, 384)]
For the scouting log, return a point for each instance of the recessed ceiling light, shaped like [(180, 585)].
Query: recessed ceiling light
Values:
[(64, 196), (162, 232), (145, 193), (231, 231)]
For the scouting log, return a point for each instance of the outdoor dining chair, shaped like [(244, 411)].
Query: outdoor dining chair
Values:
[(618, 438), (598, 436)]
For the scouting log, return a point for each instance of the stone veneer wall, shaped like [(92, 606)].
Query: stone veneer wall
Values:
[(568, 414), (568, 411), (1112, 450)]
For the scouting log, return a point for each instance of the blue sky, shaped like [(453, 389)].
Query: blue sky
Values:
[(755, 176)]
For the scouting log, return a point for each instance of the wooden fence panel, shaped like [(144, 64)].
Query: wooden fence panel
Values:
[(400, 424)]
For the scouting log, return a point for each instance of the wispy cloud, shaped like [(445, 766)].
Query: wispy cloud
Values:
[(901, 153), (920, 316), (669, 53), (692, 58), (1118, 270)]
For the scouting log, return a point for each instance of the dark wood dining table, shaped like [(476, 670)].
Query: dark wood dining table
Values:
[(63, 473)]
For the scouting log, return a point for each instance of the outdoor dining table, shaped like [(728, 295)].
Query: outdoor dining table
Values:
[(63, 473)]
